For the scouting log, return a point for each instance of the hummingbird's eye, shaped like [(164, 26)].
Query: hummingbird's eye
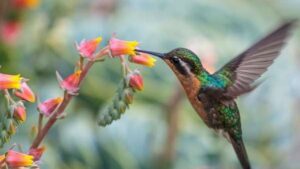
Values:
[(175, 59)]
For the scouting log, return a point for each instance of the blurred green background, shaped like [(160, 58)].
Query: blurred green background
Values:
[(161, 130)]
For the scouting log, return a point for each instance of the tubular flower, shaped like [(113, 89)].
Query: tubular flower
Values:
[(20, 112), (48, 106), (143, 59), (25, 3), (71, 83), (136, 81), (120, 47), (10, 81), (2, 157), (10, 31), (16, 159), (25, 93), (37, 152), (87, 48), (2, 161)]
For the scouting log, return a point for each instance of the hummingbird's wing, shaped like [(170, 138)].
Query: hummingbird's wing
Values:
[(243, 70)]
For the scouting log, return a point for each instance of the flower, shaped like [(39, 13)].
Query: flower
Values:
[(10, 31), (2, 160), (71, 83), (10, 81), (48, 106), (25, 93), (87, 48), (20, 112), (120, 47), (25, 3), (2, 157), (37, 152), (143, 59), (136, 81), (17, 159)]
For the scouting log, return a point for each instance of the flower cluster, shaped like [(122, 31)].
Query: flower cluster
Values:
[(15, 91), (11, 27)]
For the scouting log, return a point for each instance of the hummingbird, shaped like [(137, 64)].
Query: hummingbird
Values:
[(213, 95)]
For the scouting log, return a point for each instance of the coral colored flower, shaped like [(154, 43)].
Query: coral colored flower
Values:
[(10, 31), (25, 93), (71, 83), (37, 152), (48, 106), (10, 81), (2, 161), (87, 48), (136, 81), (2, 157), (143, 59), (25, 3), (20, 113), (16, 159), (120, 47)]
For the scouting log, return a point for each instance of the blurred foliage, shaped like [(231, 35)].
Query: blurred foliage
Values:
[(270, 115)]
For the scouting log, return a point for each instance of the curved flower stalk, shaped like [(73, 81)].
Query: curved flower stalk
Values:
[(16, 92)]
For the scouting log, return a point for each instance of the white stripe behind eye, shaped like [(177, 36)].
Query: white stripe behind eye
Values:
[(185, 66)]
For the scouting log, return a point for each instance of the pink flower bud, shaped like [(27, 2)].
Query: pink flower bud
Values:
[(87, 48), (10, 81), (20, 112), (71, 83), (120, 47), (136, 81), (143, 59), (25, 93), (48, 106), (10, 31), (37, 152), (16, 159)]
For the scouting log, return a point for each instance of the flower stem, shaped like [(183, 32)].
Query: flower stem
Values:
[(66, 100)]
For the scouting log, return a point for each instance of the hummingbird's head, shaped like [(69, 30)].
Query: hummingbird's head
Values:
[(181, 60)]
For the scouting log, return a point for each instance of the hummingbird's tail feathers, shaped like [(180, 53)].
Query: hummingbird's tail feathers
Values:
[(240, 150)]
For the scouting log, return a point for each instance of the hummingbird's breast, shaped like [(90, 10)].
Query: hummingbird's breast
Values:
[(191, 85)]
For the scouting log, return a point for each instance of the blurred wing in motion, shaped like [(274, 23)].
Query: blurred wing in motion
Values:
[(243, 70)]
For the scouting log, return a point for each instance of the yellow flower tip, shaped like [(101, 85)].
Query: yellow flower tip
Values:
[(78, 73), (32, 3), (58, 100), (121, 47), (143, 59), (25, 93), (98, 39), (37, 152), (16, 159), (2, 157), (10, 81), (49, 106), (20, 113), (134, 44)]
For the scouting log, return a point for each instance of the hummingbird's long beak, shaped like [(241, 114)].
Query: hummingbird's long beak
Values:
[(160, 55)]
